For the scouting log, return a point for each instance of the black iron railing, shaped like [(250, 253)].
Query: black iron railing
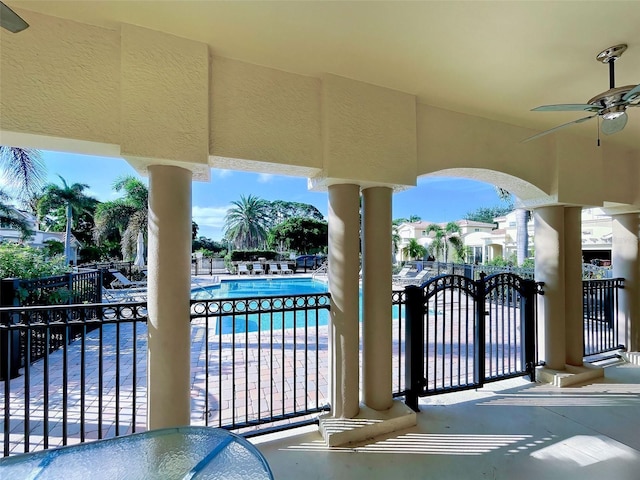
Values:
[(265, 360), (90, 388), (600, 307), (398, 308), (255, 362), (462, 333)]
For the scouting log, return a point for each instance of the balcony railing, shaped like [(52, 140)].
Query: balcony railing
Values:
[(255, 362)]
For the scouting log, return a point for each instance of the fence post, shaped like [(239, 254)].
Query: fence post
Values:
[(414, 345), (480, 342), (9, 339), (528, 301)]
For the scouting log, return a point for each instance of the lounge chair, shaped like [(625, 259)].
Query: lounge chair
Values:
[(284, 268), (122, 281), (418, 279), (242, 268), (118, 295), (273, 269), (257, 269), (403, 274)]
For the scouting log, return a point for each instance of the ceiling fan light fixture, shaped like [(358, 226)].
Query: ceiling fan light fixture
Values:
[(612, 113)]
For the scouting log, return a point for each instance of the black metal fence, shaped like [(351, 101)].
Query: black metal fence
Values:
[(255, 362), (461, 333), (70, 288), (90, 388), (208, 266), (600, 313), (258, 363), (265, 359)]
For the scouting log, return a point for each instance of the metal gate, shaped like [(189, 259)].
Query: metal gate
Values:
[(462, 333)]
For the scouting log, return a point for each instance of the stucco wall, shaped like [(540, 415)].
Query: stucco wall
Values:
[(62, 79), (156, 98)]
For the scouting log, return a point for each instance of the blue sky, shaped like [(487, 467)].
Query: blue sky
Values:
[(436, 199)]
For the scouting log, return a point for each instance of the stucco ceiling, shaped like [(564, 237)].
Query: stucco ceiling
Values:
[(491, 59)]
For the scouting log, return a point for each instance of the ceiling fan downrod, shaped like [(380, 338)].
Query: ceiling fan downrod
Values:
[(610, 55)]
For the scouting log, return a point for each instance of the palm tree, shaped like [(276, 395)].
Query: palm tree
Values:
[(522, 230), (247, 221), (23, 169), (395, 241), (124, 217), (445, 238), (71, 198), (414, 250), (11, 218)]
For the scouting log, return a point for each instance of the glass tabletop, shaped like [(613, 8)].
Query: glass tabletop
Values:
[(196, 453)]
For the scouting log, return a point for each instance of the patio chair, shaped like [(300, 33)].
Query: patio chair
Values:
[(257, 269), (118, 295), (273, 269), (242, 268), (284, 268), (122, 281), (418, 279), (403, 274)]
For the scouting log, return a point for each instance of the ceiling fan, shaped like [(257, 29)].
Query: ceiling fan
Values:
[(10, 20), (610, 105)]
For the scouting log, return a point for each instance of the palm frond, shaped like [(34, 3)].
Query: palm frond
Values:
[(23, 169)]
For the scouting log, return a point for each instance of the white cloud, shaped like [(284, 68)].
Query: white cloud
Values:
[(221, 173), (265, 177), (209, 216)]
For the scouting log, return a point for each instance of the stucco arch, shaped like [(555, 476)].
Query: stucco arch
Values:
[(526, 193)]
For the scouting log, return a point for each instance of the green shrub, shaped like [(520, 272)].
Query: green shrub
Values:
[(20, 261)]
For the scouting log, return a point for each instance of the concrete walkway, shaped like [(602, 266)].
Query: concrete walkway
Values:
[(509, 430)]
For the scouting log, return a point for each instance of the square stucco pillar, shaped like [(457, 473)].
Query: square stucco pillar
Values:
[(169, 260), (625, 253)]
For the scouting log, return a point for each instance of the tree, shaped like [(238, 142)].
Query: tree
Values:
[(247, 221), (280, 210), (125, 217), (411, 219), (23, 170), (522, 229), (395, 241), (488, 214), (304, 235), (72, 199), (11, 218), (446, 238), (414, 250)]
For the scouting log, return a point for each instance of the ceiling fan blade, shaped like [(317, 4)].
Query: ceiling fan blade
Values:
[(630, 95), (10, 20), (567, 107), (614, 125), (538, 135)]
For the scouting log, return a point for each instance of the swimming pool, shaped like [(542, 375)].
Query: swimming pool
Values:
[(256, 288), (264, 287)]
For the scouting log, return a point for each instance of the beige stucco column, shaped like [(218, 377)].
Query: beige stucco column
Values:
[(574, 342), (550, 256), (376, 298), (169, 255), (344, 264), (625, 254)]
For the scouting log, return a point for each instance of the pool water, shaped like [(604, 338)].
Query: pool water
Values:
[(260, 288), (255, 288)]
